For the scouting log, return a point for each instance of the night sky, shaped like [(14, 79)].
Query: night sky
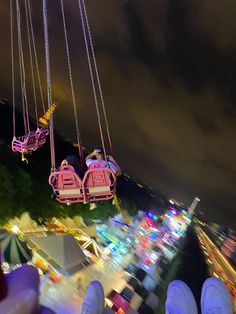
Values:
[(168, 73)]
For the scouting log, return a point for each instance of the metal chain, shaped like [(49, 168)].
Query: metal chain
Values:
[(22, 72), (12, 69), (92, 79), (31, 62), (35, 55), (72, 86), (49, 90), (98, 78)]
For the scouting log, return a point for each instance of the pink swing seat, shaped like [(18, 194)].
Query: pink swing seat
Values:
[(41, 135), (98, 183), (25, 144), (67, 185)]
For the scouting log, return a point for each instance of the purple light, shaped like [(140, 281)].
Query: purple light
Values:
[(173, 211)]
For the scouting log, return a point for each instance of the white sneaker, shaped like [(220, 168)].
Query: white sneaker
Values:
[(94, 299), (92, 206), (180, 299), (215, 298)]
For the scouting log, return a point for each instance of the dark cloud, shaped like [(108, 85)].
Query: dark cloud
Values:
[(206, 125), (168, 71)]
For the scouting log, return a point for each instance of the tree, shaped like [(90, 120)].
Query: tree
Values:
[(23, 190), (6, 193)]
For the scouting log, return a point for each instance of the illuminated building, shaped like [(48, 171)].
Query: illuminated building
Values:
[(193, 206)]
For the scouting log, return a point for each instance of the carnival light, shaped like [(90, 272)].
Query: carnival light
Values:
[(15, 229)]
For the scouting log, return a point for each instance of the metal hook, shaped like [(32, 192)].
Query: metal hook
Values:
[(23, 158)]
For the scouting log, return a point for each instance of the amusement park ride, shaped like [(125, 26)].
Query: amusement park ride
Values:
[(98, 181)]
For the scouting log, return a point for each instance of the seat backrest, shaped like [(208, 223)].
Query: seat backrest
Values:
[(41, 134), (22, 138), (67, 178), (31, 138), (98, 177)]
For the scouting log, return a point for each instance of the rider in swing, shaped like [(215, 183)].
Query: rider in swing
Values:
[(97, 156)]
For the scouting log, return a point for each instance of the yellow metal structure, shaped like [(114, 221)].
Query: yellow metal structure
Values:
[(45, 119)]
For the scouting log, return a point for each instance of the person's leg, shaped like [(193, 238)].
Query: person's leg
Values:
[(45, 310), (180, 299), (24, 277), (23, 292), (215, 298), (25, 302), (94, 299), (3, 285)]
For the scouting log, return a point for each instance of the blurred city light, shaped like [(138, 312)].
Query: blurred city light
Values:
[(15, 229)]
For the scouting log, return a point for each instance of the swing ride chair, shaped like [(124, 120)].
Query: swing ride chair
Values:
[(25, 144), (97, 184), (32, 140), (67, 185)]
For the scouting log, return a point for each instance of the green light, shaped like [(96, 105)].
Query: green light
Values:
[(155, 217), (189, 220), (164, 223)]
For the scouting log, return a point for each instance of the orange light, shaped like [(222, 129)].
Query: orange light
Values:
[(45, 119)]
